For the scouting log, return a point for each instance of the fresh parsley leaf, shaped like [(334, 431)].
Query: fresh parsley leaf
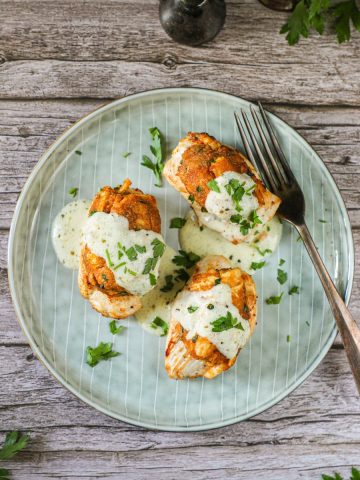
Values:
[(114, 329), (78, 152), (182, 275), (217, 281), (274, 300), (288, 338), (192, 309), (281, 276), (126, 154), (263, 252), (225, 323), (150, 264), (282, 261), (152, 279), (322, 221), (156, 149), (140, 248), (355, 474), (169, 284), (160, 323), (177, 222), (212, 184), (4, 474), (253, 217), (191, 198), (103, 351), (346, 13), (298, 23), (257, 265), (293, 290), (131, 254), (186, 259), (158, 248), (73, 191), (336, 476), (14, 442)]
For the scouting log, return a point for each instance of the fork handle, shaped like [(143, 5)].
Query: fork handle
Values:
[(346, 324)]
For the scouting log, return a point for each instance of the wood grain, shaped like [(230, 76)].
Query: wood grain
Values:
[(59, 61)]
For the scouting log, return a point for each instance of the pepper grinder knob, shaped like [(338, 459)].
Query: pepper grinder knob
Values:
[(192, 22)]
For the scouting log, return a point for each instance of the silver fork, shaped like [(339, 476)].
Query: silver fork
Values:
[(278, 177)]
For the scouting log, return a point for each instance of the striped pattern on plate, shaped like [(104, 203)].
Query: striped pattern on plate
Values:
[(290, 339)]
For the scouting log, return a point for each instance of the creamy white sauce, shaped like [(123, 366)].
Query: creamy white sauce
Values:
[(157, 303), (199, 322), (204, 241), (66, 232), (221, 207), (108, 236)]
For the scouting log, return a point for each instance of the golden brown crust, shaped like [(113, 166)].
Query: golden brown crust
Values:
[(96, 280), (198, 348), (207, 159)]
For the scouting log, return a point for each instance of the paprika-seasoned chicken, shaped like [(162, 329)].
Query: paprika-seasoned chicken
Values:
[(222, 187), (212, 318), (120, 248)]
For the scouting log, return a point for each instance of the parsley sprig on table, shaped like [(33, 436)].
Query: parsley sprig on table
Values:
[(157, 150), (313, 14), (14, 442)]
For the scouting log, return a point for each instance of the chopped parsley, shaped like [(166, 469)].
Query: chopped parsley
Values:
[(160, 323), (131, 254), (236, 192), (156, 149), (274, 300), (253, 217), (225, 323), (192, 309), (140, 248), (191, 198), (114, 329), (217, 281), (210, 306), (281, 262), (288, 338), (177, 222), (14, 442), (169, 284), (119, 265), (182, 275), (322, 221), (307, 323), (111, 264), (186, 259), (294, 289), (78, 152), (152, 279), (103, 351), (281, 276), (126, 154), (199, 188), (263, 252), (212, 184), (73, 191), (257, 265), (158, 251)]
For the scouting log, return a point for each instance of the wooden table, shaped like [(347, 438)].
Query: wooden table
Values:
[(60, 60)]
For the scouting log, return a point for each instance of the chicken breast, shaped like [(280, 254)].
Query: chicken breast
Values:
[(212, 318), (222, 187), (112, 273)]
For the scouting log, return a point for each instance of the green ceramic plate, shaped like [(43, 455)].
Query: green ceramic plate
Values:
[(134, 386)]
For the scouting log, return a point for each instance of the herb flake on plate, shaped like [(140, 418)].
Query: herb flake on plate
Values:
[(156, 148), (103, 351), (160, 323)]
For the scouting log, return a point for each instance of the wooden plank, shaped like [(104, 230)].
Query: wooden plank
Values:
[(28, 128), (131, 31), (305, 435), (324, 84), (312, 413)]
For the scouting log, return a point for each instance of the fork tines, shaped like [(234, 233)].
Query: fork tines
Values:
[(271, 163)]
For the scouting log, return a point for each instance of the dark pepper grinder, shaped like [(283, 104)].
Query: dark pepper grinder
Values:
[(192, 22)]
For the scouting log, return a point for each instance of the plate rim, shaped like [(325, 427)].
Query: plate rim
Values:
[(39, 354)]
